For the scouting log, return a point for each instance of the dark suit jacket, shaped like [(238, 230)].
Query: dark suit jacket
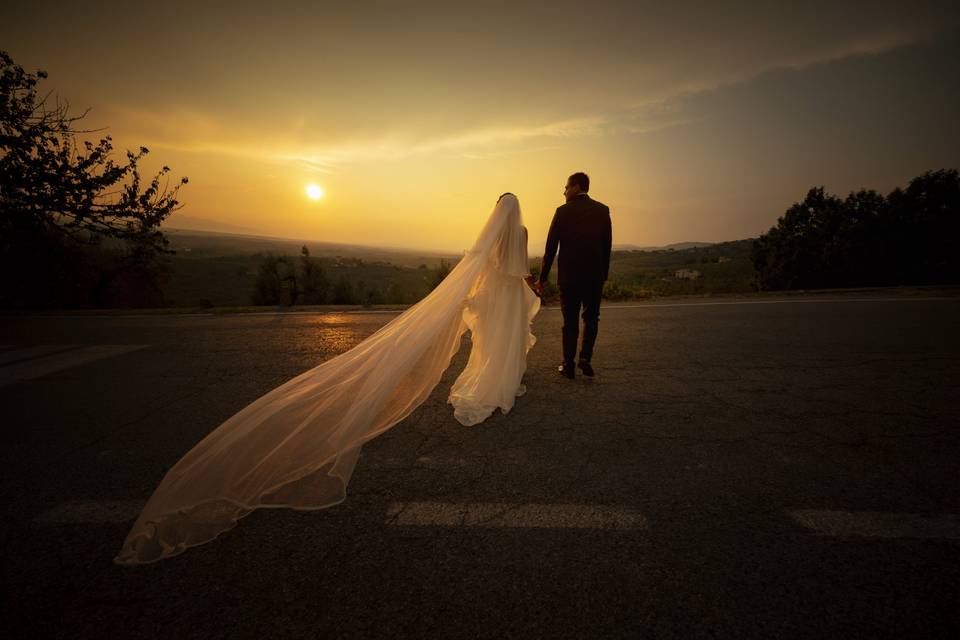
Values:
[(582, 229)]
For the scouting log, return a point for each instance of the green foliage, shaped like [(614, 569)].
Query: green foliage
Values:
[(613, 290), (639, 274), (372, 296), (723, 268), (343, 292), (223, 270), (550, 291), (645, 273), (909, 237), (76, 228), (314, 283), (441, 272), (924, 219), (276, 281)]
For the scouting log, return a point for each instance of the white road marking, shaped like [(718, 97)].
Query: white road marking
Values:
[(492, 514), (728, 302), (879, 524), (41, 366), (34, 351), (103, 512), (239, 314)]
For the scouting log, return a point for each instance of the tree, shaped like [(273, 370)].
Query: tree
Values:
[(69, 206), (314, 283), (910, 237), (442, 271), (396, 294), (276, 282), (343, 292), (925, 218), (373, 296)]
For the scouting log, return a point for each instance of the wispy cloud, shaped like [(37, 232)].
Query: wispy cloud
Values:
[(209, 135), (867, 45), (474, 143)]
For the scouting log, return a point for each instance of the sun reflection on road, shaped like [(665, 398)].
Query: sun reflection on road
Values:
[(338, 332)]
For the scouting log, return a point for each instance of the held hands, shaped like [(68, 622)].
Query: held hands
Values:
[(536, 285)]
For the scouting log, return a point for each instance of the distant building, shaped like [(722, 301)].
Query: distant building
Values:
[(686, 274)]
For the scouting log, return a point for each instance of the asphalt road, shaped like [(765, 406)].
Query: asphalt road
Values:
[(738, 469)]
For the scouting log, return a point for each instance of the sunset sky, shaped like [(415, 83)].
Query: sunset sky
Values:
[(696, 122)]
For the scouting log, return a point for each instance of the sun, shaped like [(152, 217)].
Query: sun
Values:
[(314, 191)]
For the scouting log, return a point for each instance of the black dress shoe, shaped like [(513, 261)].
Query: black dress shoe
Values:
[(566, 370), (586, 368)]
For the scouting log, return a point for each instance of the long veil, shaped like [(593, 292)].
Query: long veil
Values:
[(297, 445)]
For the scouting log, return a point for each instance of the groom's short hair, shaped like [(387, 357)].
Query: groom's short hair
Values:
[(580, 179)]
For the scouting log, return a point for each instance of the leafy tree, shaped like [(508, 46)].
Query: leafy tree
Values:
[(276, 282), (314, 282), (925, 218), (910, 237), (396, 294), (441, 272), (343, 292), (373, 296), (76, 228)]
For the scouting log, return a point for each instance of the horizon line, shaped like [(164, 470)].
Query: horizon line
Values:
[(429, 252)]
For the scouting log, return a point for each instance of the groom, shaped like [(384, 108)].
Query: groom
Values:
[(582, 229)]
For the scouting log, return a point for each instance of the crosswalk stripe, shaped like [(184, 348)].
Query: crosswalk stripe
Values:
[(41, 366), (655, 305), (871, 524), (879, 524), (495, 514), (29, 353)]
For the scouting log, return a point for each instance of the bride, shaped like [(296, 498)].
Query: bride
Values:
[(297, 445)]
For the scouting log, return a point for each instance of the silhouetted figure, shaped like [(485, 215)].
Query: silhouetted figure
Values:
[(582, 230)]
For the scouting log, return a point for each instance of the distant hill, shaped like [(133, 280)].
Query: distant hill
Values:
[(200, 234), (721, 267), (180, 222), (213, 244), (220, 269), (677, 246)]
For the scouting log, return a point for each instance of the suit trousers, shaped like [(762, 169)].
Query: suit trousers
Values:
[(575, 296)]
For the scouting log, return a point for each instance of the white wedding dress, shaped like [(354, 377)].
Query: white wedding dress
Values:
[(297, 445), (498, 313)]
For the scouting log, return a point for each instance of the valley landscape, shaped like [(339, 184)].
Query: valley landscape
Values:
[(216, 269)]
